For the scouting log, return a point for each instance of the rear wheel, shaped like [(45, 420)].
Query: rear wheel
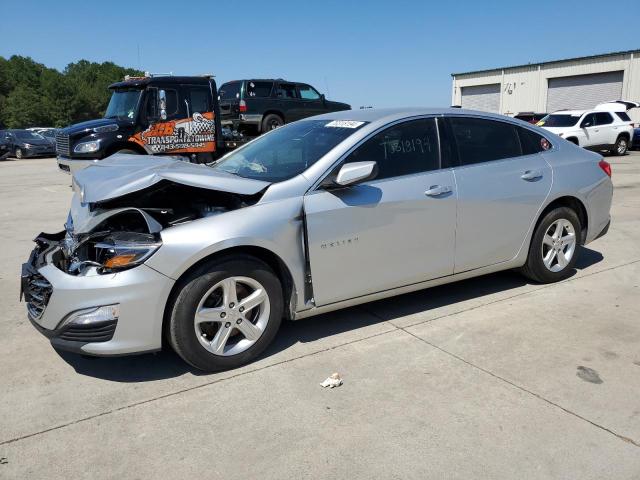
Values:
[(553, 249), (19, 153), (226, 313), (621, 146), (271, 122)]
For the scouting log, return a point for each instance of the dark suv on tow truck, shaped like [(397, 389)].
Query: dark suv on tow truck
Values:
[(259, 105), (148, 115)]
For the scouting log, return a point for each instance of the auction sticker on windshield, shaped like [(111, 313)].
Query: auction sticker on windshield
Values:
[(344, 124)]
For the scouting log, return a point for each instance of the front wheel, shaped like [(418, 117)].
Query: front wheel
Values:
[(553, 249), (19, 153), (226, 313), (620, 147)]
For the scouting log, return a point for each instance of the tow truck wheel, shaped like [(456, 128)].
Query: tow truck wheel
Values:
[(225, 313)]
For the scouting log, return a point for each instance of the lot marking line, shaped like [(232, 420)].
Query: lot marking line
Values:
[(395, 329)]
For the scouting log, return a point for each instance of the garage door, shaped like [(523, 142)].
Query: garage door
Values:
[(482, 97), (583, 91)]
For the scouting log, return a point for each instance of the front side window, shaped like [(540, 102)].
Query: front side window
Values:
[(123, 104), (258, 89), (479, 140), (603, 118), (27, 135), (287, 151), (199, 100), (308, 93), (403, 149), (588, 121)]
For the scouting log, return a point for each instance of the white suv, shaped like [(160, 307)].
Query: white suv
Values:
[(607, 127)]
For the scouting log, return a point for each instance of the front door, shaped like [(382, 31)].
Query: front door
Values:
[(311, 103), (502, 181), (392, 231)]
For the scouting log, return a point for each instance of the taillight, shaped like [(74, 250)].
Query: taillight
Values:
[(243, 106), (605, 166)]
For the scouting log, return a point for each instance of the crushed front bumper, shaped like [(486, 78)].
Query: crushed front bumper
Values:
[(71, 165), (52, 295)]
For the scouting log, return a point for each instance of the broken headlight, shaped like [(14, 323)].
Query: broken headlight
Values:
[(122, 250)]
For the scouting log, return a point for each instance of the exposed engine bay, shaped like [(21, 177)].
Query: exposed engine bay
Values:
[(115, 234)]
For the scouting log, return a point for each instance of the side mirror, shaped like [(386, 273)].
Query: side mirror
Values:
[(322, 97), (162, 104), (586, 124), (352, 173)]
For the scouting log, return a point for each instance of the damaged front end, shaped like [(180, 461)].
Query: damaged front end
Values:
[(121, 233)]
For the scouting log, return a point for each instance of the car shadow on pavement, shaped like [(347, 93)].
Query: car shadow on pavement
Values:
[(167, 364)]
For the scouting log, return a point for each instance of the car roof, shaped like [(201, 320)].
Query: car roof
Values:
[(136, 82), (385, 115), (571, 112)]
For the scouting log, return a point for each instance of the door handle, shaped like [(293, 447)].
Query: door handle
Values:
[(435, 190), (531, 175)]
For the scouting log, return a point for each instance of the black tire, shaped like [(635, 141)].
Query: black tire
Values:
[(19, 154), (181, 331), (621, 146), (271, 122), (535, 268)]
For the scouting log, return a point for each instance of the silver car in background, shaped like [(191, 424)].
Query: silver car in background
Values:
[(318, 215)]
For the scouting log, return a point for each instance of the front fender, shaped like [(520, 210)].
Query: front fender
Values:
[(275, 226)]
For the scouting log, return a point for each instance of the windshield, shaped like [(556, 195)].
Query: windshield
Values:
[(287, 151), (123, 104), (559, 120), (27, 135)]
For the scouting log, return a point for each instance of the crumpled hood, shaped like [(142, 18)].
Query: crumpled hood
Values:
[(122, 174)]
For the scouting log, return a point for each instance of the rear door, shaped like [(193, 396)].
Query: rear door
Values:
[(288, 101), (502, 181), (392, 231), (607, 130)]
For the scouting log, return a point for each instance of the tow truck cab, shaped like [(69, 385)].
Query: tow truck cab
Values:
[(148, 115)]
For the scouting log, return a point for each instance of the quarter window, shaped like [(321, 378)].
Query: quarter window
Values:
[(603, 118), (403, 149), (623, 116), (531, 141), (480, 140)]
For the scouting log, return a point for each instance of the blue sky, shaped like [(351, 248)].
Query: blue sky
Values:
[(380, 53)]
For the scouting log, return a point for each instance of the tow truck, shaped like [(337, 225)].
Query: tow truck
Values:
[(155, 114)]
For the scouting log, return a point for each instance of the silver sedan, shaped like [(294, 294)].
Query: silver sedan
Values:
[(319, 215)]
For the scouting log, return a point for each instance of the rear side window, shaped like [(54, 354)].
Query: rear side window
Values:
[(603, 118), (258, 89), (229, 91), (623, 116), (479, 140), (286, 90), (532, 142), (403, 149)]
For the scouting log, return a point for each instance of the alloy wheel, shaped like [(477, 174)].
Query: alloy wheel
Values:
[(622, 146), (558, 245), (232, 316)]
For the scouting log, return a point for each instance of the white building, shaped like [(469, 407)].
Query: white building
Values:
[(575, 83)]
